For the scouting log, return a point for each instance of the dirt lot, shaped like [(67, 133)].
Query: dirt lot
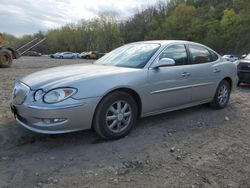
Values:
[(195, 147)]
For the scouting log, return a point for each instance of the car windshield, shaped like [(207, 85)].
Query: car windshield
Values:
[(134, 55), (247, 57)]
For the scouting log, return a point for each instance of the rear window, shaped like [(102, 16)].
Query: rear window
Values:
[(199, 54)]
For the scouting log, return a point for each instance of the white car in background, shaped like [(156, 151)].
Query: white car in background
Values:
[(68, 55), (231, 58)]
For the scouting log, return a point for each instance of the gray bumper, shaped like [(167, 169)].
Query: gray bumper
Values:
[(72, 117)]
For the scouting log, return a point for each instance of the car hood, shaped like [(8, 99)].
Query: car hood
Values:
[(65, 76), (244, 60)]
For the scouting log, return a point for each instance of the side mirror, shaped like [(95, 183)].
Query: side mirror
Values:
[(243, 56), (164, 62)]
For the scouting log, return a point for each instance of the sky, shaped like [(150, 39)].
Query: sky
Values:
[(19, 17)]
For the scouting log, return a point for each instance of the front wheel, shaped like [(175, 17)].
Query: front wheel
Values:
[(115, 116), (222, 95)]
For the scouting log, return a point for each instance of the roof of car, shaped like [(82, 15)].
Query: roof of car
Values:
[(164, 42)]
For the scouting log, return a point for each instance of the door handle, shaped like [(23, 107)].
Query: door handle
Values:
[(217, 70), (185, 74)]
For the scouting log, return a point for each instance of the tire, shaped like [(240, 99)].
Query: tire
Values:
[(222, 95), (112, 121), (5, 58)]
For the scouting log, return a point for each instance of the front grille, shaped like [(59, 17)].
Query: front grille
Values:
[(19, 93), (244, 66)]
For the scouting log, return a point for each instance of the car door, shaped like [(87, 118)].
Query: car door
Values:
[(169, 87), (205, 72)]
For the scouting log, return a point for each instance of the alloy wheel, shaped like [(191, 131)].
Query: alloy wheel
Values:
[(118, 116), (223, 94)]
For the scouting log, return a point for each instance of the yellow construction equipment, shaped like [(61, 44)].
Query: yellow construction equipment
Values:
[(1, 40)]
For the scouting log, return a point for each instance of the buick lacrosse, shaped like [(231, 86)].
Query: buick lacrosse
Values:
[(136, 80)]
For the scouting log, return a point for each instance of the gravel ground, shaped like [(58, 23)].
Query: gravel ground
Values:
[(195, 147)]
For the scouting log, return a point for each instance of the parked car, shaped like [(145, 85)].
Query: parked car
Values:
[(136, 80), (243, 67), (67, 55), (77, 54), (231, 58), (92, 55), (82, 55), (32, 53)]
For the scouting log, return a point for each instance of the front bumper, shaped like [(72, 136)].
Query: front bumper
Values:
[(71, 117)]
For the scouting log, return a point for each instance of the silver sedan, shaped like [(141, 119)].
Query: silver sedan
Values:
[(136, 80)]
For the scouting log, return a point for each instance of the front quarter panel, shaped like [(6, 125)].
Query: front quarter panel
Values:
[(100, 86)]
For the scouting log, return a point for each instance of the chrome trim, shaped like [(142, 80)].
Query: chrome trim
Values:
[(176, 108), (56, 107), (180, 88)]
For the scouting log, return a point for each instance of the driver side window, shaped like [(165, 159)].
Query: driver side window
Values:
[(177, 53)]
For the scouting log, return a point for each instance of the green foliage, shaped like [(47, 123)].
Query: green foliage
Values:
[(221, 24)]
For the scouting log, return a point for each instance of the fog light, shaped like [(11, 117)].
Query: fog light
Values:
[(58, 120), (55, 120), (46, 121)]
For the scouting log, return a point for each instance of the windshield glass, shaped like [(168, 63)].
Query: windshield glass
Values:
[(248, 56), (132, 55)]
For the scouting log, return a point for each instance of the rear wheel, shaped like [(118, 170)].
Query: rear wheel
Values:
[(115, 115), (5, 58), (222, 95)]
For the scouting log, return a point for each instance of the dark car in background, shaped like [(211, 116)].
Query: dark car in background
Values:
[(243, 67), (32, 53)]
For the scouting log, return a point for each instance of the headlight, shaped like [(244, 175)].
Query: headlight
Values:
[(38, 95), (58, 95)]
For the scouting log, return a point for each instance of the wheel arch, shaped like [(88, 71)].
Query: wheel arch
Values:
[(229, 80), (130, 91)]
